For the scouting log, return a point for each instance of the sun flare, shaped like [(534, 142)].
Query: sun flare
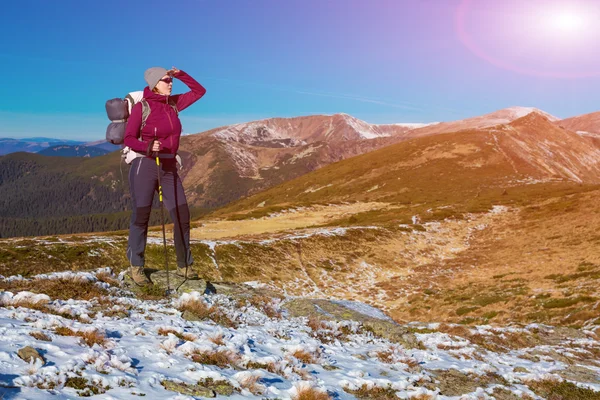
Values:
[(567, 21), (544, 38)]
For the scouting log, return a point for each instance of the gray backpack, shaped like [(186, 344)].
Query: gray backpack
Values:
[(118, 111)]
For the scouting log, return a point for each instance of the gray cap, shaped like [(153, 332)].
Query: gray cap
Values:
[(153, 75)]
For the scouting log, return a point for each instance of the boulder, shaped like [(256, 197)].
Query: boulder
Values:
[(28, 353), (187, 389), (371, 318), (159, 278)]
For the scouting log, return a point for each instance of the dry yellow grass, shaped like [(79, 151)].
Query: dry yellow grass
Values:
[(315, 215), (252, 384), (217, 338), (89, 337), (202, 311), (315, 323), (41, 305), (539, 264), (60, 288), (385, 356), (266, 305), (187, 336), (222, 358), (311, 393), (373, 392), (304, 356), (40, 336), (107, 277)]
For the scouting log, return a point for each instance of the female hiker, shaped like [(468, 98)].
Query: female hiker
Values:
[(159, 134)]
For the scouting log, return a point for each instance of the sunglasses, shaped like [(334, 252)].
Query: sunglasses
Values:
[(167, 80)]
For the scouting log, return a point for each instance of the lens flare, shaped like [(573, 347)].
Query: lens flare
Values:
[(567, 22), (543, 38)]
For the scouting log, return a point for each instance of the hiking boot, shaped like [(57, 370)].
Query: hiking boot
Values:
[(181, 271), (138, 276)]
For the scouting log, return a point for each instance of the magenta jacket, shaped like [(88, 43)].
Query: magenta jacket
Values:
[(162, 119)]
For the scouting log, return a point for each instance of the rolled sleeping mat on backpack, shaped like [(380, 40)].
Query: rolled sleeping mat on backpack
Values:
[(115, 132), (117, 111)]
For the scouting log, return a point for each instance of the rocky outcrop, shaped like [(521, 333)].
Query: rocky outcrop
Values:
[(28, 354)]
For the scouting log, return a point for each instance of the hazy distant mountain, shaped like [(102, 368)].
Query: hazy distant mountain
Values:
[(500, 117), (586, 124), (62, 150), (31, 145), (103, 144)]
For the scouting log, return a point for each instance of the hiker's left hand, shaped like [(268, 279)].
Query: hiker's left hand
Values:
[(173, 71)]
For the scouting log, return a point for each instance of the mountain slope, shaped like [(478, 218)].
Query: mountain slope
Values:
[(586, 124), (225, 164), (500, 117), (448, 168)]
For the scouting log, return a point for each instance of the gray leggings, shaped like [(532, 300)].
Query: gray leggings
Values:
[(143, 183)]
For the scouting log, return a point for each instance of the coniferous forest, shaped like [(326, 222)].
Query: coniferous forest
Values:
[(42, 195)]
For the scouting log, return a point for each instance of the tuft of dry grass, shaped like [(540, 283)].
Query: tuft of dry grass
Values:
[(203, 311), (422, 396), (107, 277), (217, 338), (304, 356), (252, 383), (385, 356), (265, 303), (325, 333), (59, 288), (221, 358), (562, 390), (40, 336), (64, 331), (374, 392), (315, 324), (41, 305), (271, 366), (310, 393), (90, 337), (189, 337), (496, 342), (186, 336)]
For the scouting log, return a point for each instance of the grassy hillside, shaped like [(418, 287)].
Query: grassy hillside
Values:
[(435, 176)]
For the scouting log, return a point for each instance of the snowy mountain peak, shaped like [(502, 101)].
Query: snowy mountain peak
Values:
[(363, 129), (517, 112)]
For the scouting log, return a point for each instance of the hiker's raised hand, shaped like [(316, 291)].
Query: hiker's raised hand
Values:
[(173, 71)]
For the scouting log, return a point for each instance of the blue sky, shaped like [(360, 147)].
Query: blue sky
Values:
[(383, 61)]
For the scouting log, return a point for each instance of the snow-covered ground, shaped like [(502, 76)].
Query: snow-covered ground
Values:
[(264, 354)]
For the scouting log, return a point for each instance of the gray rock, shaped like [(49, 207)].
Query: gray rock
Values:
[(453, 382), (339, 311), (190, 390), (579, 374), (28, 353), (176, 283), (181, 285), (190, 316)]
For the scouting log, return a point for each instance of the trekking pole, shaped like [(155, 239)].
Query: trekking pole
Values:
[(162, 220)]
